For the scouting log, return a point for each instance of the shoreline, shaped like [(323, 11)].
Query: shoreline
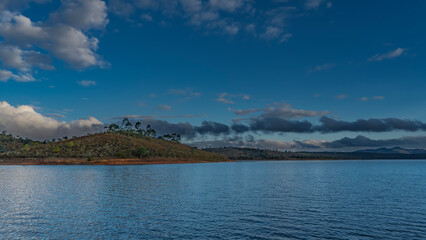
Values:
[(150, 161), (112, 161)]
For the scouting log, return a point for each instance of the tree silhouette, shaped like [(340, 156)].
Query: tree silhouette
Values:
[(150, 132), (126, 124)]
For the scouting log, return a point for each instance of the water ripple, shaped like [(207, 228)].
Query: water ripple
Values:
[(242, 200)]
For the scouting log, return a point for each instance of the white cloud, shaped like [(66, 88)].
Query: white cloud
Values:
[(245, 97), (278, 110), (187, 93), (199, 18), (22, 61), (74, 47), (250, 142), (272, 32), (24, 121), (232, 30), (313, 4), (20, 30), (341, 96), (322, 67), (226, 5), (191, 5), (147, 4), (365, 99), (64, 35), (389, 55), (82, 14), (87, 83), (164, 107), (224, 98), (6, 75), (146, 17), (11, 56), (121, 8), (18, 4), (217, 16)]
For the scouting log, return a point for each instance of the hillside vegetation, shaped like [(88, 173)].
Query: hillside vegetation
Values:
[(112, 145), (118, 142), (10, 143)]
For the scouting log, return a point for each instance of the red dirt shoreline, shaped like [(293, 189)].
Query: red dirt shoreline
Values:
[(79, 161)]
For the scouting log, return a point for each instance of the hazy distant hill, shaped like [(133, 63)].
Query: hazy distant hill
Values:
[(395, 150), (260, 154)]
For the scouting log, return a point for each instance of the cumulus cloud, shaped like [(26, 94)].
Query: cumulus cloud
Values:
[(369, 125), (18, 29), (214, 128), (186, 130), (240, 128), (82, 14), (280, 125), (282, 121), (23, 60), (73, 46), (389, 55), (65, 35), (24, 121), (6, 75)]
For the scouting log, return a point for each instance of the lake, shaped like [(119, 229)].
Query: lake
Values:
[(237, 200)]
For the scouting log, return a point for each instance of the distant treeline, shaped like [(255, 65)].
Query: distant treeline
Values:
[(126, 127)]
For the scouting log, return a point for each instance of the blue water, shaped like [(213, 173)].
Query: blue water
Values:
[(240, 200)]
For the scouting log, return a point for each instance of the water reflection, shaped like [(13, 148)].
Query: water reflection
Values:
[(344, 199)]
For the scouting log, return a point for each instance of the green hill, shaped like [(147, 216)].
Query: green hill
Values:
[(104, 147), (10, 143)]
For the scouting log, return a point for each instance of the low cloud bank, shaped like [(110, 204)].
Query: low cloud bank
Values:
[(344, 144), (25, 122)]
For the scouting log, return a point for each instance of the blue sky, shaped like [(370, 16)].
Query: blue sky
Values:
[(190, 61)]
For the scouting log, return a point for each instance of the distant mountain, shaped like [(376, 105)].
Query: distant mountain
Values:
[(395, 150), (262, 154)]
